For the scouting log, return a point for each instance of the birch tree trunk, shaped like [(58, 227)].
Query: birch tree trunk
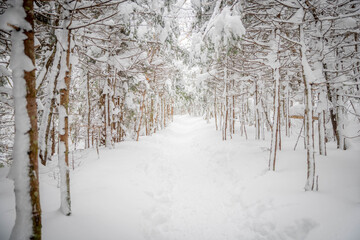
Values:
[(65, 78)]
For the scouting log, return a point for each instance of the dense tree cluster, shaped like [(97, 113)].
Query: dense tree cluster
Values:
[(121, 57), (267, 62)]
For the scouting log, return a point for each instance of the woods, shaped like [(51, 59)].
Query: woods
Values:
[(81, 74), (281, 56)]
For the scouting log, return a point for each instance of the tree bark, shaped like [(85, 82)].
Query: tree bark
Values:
[(64, 121), (48, 113), (24, 170), (31, 108), (308, 118), (215, 110), (53, 141), (275, 125), (141, 116), (89, 108)]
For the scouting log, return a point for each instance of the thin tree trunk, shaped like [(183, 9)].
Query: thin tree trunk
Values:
[(44, 158), (286, 112), (233, 115), (322, 141), (257, 114), (226, 111), (92, 137), (64, 121), (297, 140), (146, 118), (226, 118), (53, 141), (275, 125), (164, 112), (89, 108), (151, 115), (107, 127), (141, 116), (279, 128), (310, 181), (221, 116), (108, 110), (104, 117), (215, 111), (333, 116), (230, 117), (49, 107), (172, 110)]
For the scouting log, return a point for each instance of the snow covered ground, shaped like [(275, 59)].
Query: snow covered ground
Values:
[(185, 183)]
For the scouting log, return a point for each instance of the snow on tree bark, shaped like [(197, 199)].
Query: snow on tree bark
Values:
[(48, 110), (273, 58), (107, 126), (24, 170), (88, 110), (64, 37), (225, 95), (308, 118)]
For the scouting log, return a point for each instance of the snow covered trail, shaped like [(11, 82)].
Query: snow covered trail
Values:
[(185, 183)]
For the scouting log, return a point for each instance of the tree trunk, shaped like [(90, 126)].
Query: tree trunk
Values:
[(141, 116), (146, 106), (108, 114), (64, 119), (322, 140), (286, 112), (44, 158), (107, 130), (275, 125), (221, 116), (333, 115), (225, 122), (53, 141), (233, 114), (49, 107), (89, 108), (215, 111), (172, 110), (257, 112), (164, 112), (340, 123), (308, 118), (151, 127), (226, 110), (24, 170)]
